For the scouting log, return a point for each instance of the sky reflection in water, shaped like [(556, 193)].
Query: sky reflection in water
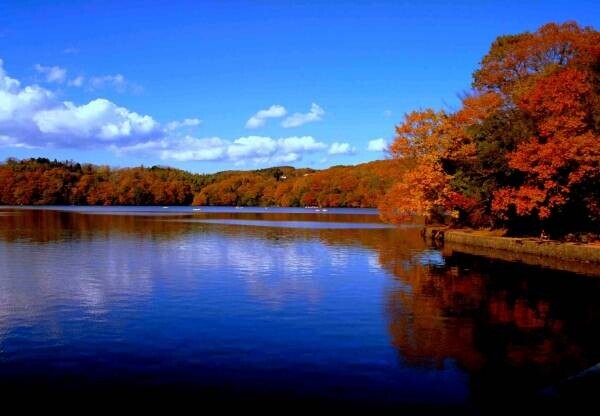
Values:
[(344, 309)]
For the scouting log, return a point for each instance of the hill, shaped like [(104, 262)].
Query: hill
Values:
[(40, 181)]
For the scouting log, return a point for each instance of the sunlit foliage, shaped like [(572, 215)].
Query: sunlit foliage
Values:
[(523, 150), (44, 182)]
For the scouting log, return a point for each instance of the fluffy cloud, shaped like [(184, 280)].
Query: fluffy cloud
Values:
[(377, 145), (190, 148), (297, 119), (341, 149), (256, 149), (260, 118), (52, 73), (300, 144), (262, 150), (267, 150), (33, 116), (251, 147), (186, 148), (99, 120)]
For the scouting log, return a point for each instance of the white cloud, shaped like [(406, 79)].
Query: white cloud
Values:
[(188, 122), (33, 116), (251, 146), (117, 81), (255, 149), (52, 73), (100, 82), (77, 81), (99, 120), (300, 144), (186, 148), (297, 119), (262, 149), (260, 118), (286, 158), (207, 149), (341, 149), (56, 74), (7, 141), (377, 145), (7, 83)]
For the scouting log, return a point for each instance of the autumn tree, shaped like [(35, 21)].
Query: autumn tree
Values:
[(421, 145), (522, 151), (558, 166)]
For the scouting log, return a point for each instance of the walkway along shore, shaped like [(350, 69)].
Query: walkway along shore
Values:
[(578, 258)]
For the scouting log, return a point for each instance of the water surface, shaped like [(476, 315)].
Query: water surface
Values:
[(293, 305)]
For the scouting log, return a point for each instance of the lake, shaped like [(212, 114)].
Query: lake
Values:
[(291, 306)]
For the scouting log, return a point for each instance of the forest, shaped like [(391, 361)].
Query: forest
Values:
[(44, 182), (522, 152)]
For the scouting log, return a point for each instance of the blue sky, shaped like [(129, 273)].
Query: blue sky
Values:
[(178, 82)]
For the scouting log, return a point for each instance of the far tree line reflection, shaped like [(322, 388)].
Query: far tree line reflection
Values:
[(513, 328)]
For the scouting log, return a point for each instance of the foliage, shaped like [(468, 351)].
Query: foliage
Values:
[(44, 182), (523, 150), (339, 186)]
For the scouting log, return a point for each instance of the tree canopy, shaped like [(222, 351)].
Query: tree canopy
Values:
[(523, 149), (44, 182)]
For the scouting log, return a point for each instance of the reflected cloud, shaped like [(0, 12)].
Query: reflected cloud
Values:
[(509, 327)]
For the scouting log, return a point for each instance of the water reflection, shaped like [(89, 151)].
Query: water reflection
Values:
[(514, 329), (373, 312)]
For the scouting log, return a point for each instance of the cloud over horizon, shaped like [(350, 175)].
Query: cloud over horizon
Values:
[(256, 149), (33, 117), (341, 149), (377, 145), (260, 118), (315, 113)]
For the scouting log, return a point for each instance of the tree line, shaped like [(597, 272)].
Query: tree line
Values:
[(40, 181)]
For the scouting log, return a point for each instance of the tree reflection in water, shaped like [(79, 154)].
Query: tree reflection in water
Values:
[(513, 329)]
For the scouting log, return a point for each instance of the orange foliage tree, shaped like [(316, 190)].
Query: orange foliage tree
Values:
[(523, 150), (420, 146)]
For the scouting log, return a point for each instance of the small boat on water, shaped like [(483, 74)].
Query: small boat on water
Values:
[(165, 207), (196, 209)]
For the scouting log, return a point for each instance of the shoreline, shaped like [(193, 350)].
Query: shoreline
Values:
[(575, 257)]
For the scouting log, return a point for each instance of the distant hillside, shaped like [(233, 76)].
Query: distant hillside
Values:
[(44, 182)]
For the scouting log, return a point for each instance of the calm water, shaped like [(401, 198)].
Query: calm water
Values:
[(292, 305)]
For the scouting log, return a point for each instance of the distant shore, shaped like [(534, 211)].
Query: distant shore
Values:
[(577, 257)]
